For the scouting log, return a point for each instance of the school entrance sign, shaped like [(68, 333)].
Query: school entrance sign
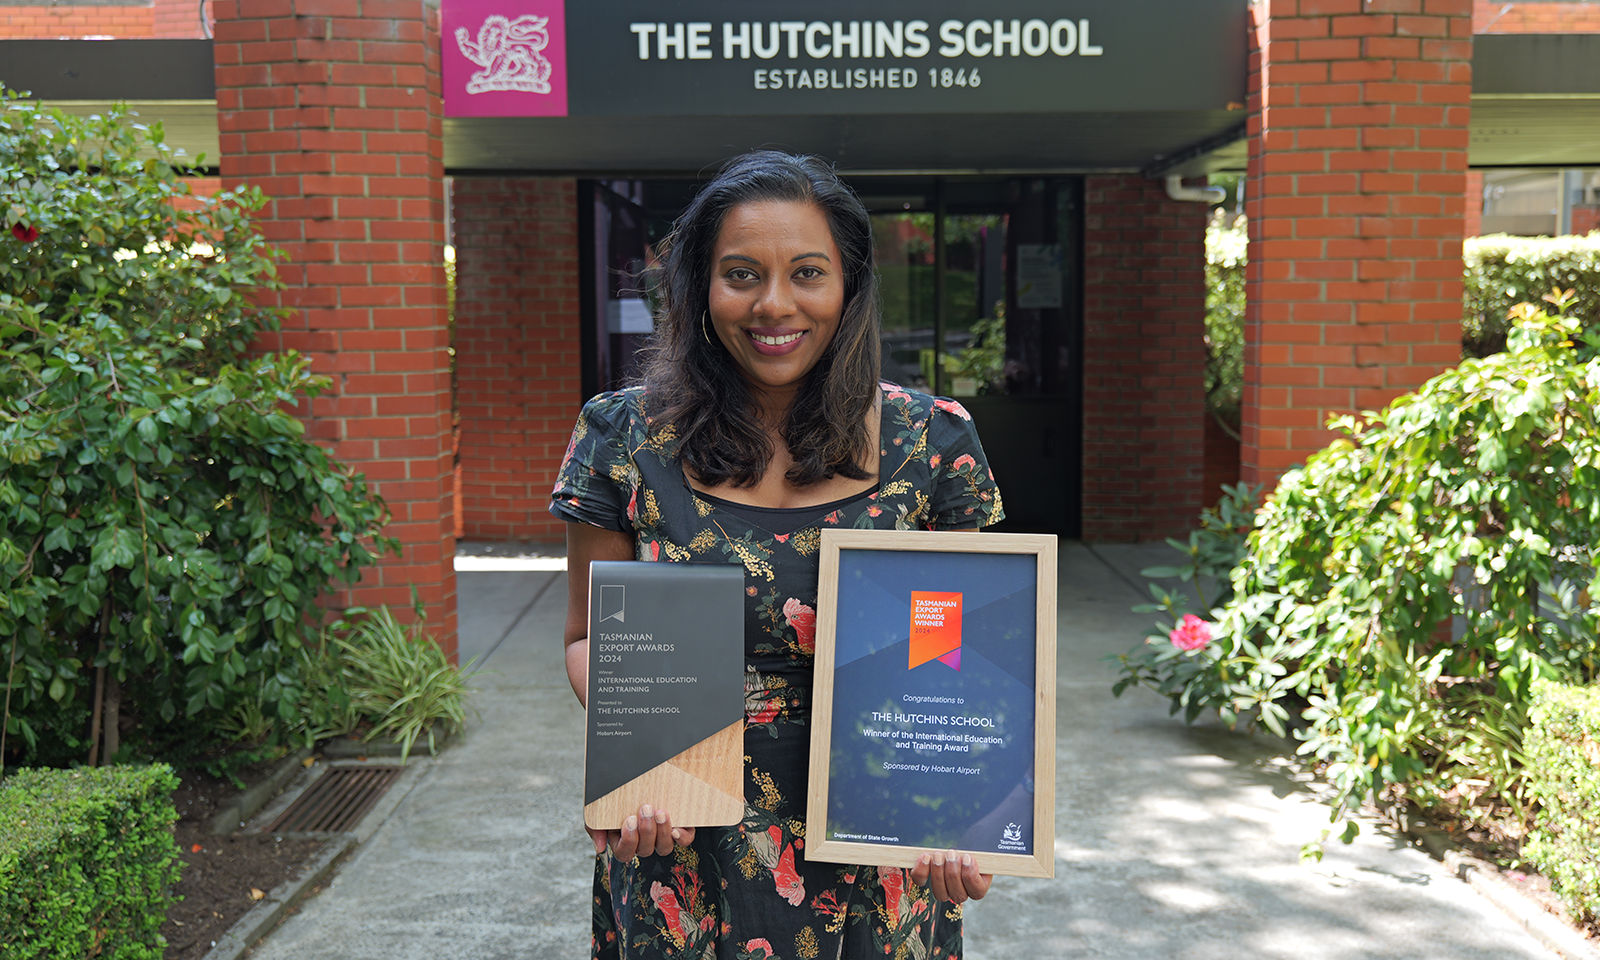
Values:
[(644, 58)]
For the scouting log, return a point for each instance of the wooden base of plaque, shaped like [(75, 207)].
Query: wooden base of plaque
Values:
[(701, 787)]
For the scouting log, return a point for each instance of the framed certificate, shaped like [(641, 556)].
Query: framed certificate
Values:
[(933, 714)]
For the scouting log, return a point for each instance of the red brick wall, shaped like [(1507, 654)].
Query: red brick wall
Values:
[(199, 187), (1144, 359), (152, 18), (1473, 214), (179, 18), (1357, 174), (1585, 218), (1498, 16), (1222, 461), (51, 22), (332, 107), (517, 352)]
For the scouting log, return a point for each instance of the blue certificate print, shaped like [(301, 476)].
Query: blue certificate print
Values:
[(932, 741)]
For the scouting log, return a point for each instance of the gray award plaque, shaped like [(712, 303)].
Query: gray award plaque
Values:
[(665, 722)]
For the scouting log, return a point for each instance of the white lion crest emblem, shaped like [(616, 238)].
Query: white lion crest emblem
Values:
[(509, 53)]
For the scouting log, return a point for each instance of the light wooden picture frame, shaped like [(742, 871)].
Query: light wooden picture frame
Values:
[(933, 704)]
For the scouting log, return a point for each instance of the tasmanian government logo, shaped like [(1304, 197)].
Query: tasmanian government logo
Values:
[(509, 54), (935, 629), (1011, 839)]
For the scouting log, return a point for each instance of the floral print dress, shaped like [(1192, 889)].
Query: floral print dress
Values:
[(748, 892)]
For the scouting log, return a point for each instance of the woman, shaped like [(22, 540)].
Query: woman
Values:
[(760, 422)]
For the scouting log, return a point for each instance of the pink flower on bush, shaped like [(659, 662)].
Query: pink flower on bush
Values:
[(24, 232), (1191, 633), (804, 621)]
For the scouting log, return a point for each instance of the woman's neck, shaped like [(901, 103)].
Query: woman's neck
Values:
[(772, 407)]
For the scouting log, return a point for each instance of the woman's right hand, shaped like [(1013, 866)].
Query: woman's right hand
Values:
[(650, 833)]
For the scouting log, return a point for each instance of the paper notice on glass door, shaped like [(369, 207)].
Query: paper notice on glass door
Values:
[(1039, 276)]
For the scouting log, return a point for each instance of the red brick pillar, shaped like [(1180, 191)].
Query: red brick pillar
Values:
[(1144, 360), (1357, 176), (517, 351), (332, 108)]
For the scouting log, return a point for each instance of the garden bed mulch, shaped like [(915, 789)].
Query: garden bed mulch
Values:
[(223, 877)]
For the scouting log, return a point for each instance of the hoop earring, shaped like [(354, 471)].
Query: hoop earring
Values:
[(705, 317)]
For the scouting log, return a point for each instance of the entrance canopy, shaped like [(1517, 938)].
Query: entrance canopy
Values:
[(573, 87), (1153, 87)]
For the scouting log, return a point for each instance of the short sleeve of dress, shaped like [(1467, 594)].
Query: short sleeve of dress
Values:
[(964, 490), (589, 486)]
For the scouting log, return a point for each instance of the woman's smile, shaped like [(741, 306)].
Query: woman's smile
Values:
[(776, 344)]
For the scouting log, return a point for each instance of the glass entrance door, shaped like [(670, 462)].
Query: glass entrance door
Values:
[(981, 284)]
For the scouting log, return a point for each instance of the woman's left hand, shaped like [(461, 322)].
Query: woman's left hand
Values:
[(952, 877)]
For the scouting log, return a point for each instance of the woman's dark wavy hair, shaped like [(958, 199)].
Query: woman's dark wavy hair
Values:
[(690, 379)]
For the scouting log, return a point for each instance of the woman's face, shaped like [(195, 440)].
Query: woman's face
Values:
[(777, 290)]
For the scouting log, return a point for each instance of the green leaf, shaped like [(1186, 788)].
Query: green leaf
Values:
[(59, 538)]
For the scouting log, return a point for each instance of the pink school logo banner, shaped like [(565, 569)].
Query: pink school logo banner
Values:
[(504, 58)]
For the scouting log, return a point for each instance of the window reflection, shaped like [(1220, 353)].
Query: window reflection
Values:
[(903, 244), (975, 304)]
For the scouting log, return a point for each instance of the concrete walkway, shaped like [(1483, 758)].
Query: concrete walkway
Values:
[(1172, 841)]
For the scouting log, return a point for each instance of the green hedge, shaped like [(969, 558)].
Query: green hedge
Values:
[(87, 862), (1503, 271), (1562, 746)]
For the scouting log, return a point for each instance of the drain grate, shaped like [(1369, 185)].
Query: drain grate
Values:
[(336, 801)]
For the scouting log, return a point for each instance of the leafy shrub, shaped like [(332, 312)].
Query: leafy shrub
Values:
[(1226, 243), (87, 862), (163, 517), (328, 710), (1503, 271), (1563, 746), (1209, 557), (366, 670), (399, 678), (1473, 502)]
